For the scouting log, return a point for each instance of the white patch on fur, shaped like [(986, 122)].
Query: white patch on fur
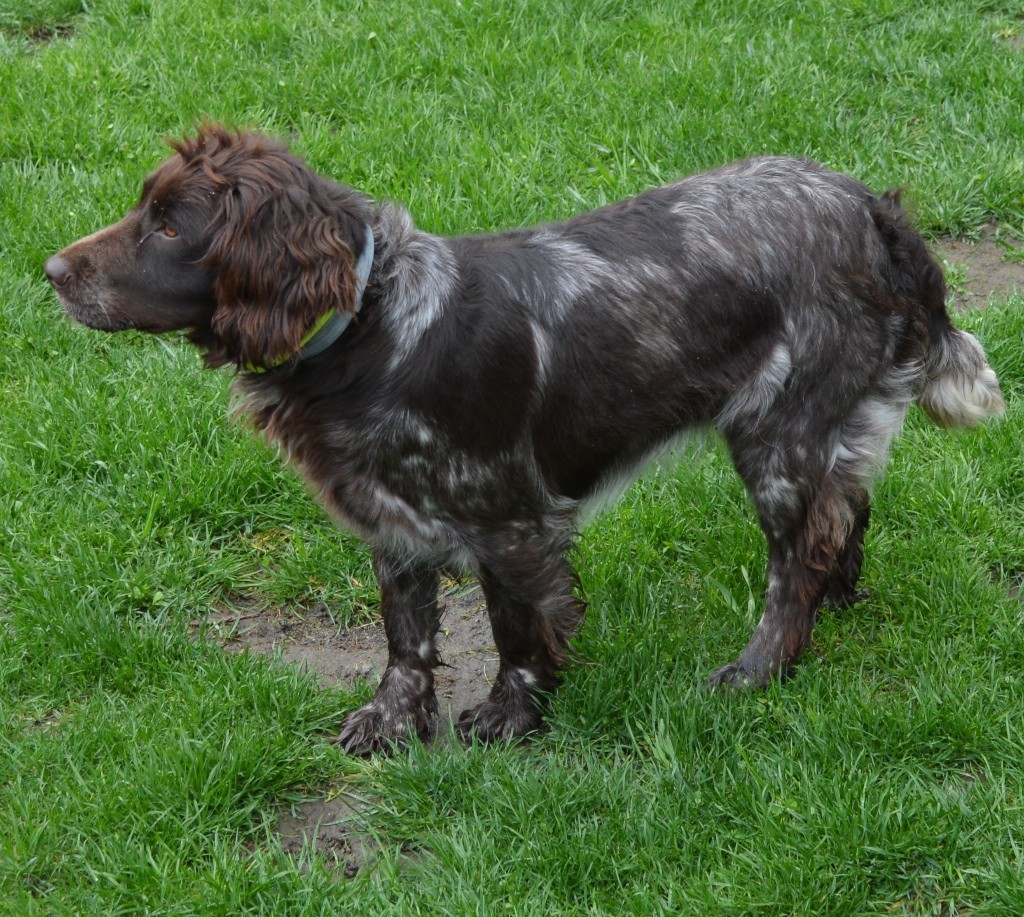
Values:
[(962, 389), (569, 271), (754, 196), (407, 517), (424, 435), (395, 522), (542, 349), (527, 676), (418, 273), (639, 278), (778, 492), (426, 649), (863, 447), (390, 519), (579, 271), (250, 396), (403, 680), (751, 400), (572, 271)]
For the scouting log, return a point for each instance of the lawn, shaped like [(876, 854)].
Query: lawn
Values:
[(143, 768)]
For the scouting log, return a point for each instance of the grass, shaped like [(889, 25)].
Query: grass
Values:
[(140, 769)]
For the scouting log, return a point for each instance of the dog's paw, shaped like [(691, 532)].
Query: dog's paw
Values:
[(736, 675), (377, 729), (495, 722), (847, 598), (404, 706)]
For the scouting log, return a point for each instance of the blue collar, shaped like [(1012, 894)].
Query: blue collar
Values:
[(331, 326)]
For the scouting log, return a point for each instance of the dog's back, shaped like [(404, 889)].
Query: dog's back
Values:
[(706, 300)]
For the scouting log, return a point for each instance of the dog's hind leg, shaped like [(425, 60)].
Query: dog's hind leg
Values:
[(534, 610), (842, 591), (808, 520), (404, 704)]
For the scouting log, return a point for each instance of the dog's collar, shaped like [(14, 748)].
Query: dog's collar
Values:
[(331, 326)]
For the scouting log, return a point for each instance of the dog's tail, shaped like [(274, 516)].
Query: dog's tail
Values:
[(959, 388)]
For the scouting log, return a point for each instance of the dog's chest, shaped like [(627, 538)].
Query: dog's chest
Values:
[(394, 480)]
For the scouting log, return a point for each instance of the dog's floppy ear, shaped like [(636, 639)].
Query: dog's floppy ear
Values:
[(283, 255)]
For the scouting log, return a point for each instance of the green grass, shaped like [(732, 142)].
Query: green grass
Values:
[(140, 770)]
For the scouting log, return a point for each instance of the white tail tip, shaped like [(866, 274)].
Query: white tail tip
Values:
[(962, 389)]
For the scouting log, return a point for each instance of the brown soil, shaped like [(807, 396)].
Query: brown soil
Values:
[(990, 276), (345, 656)]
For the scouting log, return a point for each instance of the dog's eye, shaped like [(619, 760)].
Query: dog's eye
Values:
[(169, 232)]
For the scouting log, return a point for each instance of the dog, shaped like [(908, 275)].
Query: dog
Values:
[(468, 402)]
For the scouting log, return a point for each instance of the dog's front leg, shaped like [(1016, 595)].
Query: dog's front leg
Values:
[(405, 703), (532, 604)]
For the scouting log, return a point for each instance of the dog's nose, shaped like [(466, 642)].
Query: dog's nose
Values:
[(57, 270)]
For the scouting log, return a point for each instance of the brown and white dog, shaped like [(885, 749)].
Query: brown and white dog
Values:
[(466, 401)]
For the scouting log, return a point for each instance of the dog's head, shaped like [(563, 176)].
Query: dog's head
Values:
[(233, 239)]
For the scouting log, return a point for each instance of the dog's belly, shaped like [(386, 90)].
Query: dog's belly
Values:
[(610, 486)]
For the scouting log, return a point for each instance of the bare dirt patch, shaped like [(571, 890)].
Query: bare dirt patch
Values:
[(982, 269), (1010, 580), (44, 34), (336, 824), (33, 33), (343, 657)]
